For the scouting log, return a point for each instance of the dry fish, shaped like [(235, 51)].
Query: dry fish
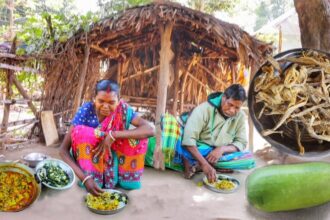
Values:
[(298, 93)]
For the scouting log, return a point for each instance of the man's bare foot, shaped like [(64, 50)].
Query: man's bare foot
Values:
[(189, 171)]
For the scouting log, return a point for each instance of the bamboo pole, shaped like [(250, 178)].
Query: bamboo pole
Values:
[(82, 78), (166, 56)]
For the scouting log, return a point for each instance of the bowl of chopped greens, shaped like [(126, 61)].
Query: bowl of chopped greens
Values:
[(109, 202), (55, 174), (223, 184)]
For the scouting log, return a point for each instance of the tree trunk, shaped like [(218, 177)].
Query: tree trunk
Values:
[(314, 22)]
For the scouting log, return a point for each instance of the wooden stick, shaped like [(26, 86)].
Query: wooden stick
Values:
[(25, 95), (21, 122), (176, 78), (127, 97), (113, 53), (9, 55), (21, 144), (119, 72), (83, 75), (15, 129), (199, 95), (6, 110), (212, 74), (17, 101), (60, 113), (17, 68), (140, 73), (183, 85), (199, 82), (16, 57)]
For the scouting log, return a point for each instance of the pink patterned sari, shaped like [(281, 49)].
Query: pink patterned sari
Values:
[(127, 163)]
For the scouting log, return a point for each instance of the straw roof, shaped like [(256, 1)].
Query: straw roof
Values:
[(208, 55)]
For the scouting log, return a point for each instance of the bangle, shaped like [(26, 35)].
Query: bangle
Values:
[(111, 136), (86, 178)]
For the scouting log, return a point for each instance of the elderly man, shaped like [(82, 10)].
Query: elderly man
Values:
[(214, 128)]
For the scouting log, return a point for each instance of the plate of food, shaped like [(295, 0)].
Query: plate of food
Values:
[(109, 202), (223, 184), (19, 189), (55, 174)]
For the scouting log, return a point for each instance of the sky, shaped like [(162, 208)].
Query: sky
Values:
[(84, 6)]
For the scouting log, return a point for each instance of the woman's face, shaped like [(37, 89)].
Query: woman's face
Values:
[(106, 102)]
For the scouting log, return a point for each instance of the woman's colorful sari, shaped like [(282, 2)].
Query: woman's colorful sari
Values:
[(126, 165)]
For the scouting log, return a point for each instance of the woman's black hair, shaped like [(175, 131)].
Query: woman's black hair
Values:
[(107, 85), (236, 92)]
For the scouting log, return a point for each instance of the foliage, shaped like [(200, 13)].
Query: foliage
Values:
[(41, 31), (44, 22)]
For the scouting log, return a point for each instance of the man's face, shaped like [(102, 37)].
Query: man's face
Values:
[(230, 107), (106, 102)]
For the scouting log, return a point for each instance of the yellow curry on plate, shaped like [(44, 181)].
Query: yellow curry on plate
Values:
[(16, 191)]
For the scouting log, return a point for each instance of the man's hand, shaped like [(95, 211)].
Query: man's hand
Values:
[(209, 172), (103, 145), (92, 187), (214, 155)]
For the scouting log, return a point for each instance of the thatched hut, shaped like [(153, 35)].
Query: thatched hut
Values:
[(165, 56)]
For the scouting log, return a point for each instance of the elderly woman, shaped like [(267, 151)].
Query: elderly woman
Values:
[(104, 151)]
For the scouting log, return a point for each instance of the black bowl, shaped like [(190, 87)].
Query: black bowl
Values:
[(287, 142)]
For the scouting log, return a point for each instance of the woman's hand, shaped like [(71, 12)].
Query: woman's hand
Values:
[(92, 187), (103, 145)]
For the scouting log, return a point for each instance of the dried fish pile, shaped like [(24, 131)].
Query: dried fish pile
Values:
[(296, 89)]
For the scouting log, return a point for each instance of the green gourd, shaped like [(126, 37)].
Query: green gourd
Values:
[(289, 187)]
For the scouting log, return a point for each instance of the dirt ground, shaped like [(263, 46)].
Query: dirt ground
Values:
[(164, 195)]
